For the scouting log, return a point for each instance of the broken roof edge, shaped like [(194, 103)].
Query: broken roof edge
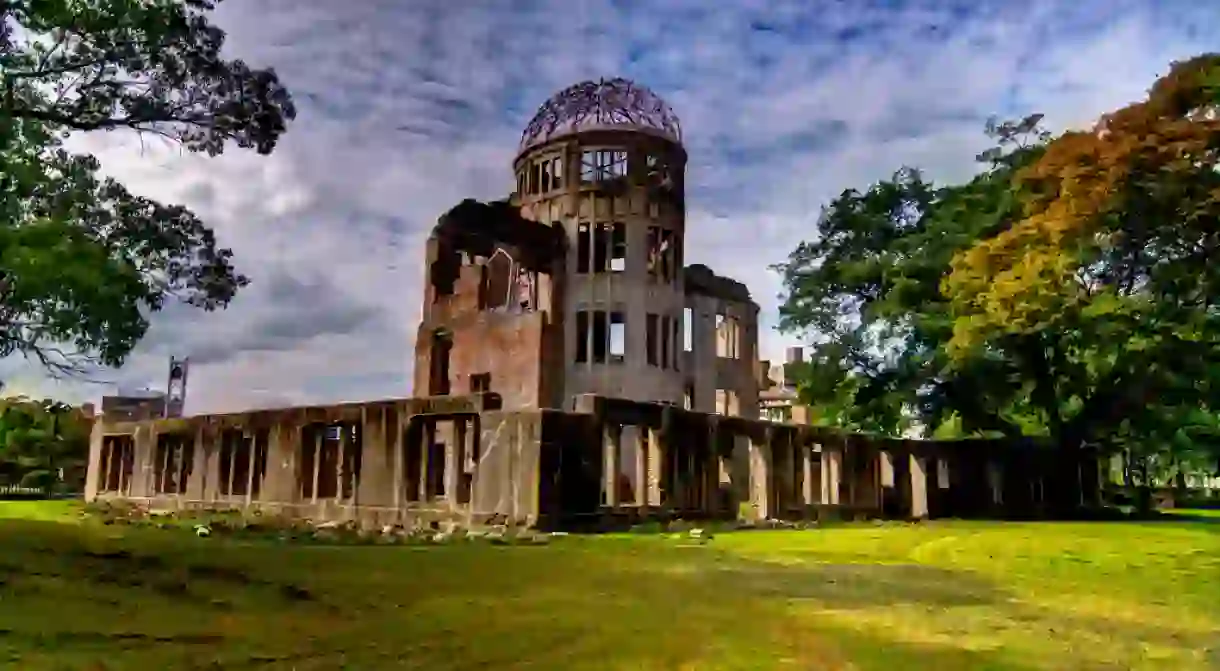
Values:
[(700, 279), (478, 227)]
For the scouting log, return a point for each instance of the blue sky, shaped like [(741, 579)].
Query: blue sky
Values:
[(405, 108)]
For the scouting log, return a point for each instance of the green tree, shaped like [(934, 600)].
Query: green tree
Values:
[(866, 291), (40, 437), (1066, 291), (1107, 286), (84, 262)]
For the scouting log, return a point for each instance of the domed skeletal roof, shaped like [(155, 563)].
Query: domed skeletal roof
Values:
[(617, 103)]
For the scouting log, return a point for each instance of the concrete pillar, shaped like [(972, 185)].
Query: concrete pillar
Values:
[(397, 428), (448, 435), (375, 485), (885, 461), (612, 436), (657, 452), (919, 487), (995, 483), (807, 485), (640, 481), (208, 442), (283, 450), (762, 481), (143, 453), (94, 475), (316, 467), (832, 464), (199, 480)]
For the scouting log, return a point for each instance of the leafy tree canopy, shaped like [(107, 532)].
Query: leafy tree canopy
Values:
[(1065, 291), (42, 434), (83, 261)]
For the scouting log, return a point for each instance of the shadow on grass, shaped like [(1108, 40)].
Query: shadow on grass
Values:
[(48, 566), (142, 598), (874, 653), (1188, 516), (857, 585)]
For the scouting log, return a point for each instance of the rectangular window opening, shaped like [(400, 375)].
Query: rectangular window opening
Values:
[(601, 247), (726, 402), (673, 339), (650, 328), (618, 337), (728, 335), (582, 336), (546, 176), (662, 264), (480, 383), (438, 374), (618, 247), (688, 322), (600, 340), (175, 456), (664, 338), (588, 167), (557, 173), (583, 245)]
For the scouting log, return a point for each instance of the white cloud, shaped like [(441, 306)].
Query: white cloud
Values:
[(406, 108)]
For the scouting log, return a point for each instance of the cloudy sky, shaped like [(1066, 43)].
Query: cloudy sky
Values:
[(405, 108)]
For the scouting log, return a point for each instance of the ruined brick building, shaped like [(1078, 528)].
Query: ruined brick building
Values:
[(570, 367), (576, 283)]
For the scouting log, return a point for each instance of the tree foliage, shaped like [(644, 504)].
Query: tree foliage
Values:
[(1114, 216), (83, 261), (40, 437), (866, 288), (1067, 290)]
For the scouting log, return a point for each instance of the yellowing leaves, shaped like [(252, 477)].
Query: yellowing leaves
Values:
[(1077, 198)]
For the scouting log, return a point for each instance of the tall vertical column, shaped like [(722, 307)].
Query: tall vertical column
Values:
[(761, 477), (995, 484), (94, 474), (832, 464), (808, 497), (373, 486), (449, 435), (656, 461), (612, 435), (207, 441), (641, 466), (919, 487), (143, 446), (196, 484), (283, 448)]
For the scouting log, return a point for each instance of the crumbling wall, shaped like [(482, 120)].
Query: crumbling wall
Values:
[(723, 344), (490, 323), (462, 459)]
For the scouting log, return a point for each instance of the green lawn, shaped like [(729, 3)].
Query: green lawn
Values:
[(941, 596)]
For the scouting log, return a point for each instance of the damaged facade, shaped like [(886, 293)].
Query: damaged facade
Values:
[(569, 366)]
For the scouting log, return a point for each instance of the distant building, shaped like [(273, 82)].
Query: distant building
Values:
[(778, 395), (133, 406)]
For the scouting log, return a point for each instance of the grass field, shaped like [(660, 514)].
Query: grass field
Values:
[(946, 595)]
